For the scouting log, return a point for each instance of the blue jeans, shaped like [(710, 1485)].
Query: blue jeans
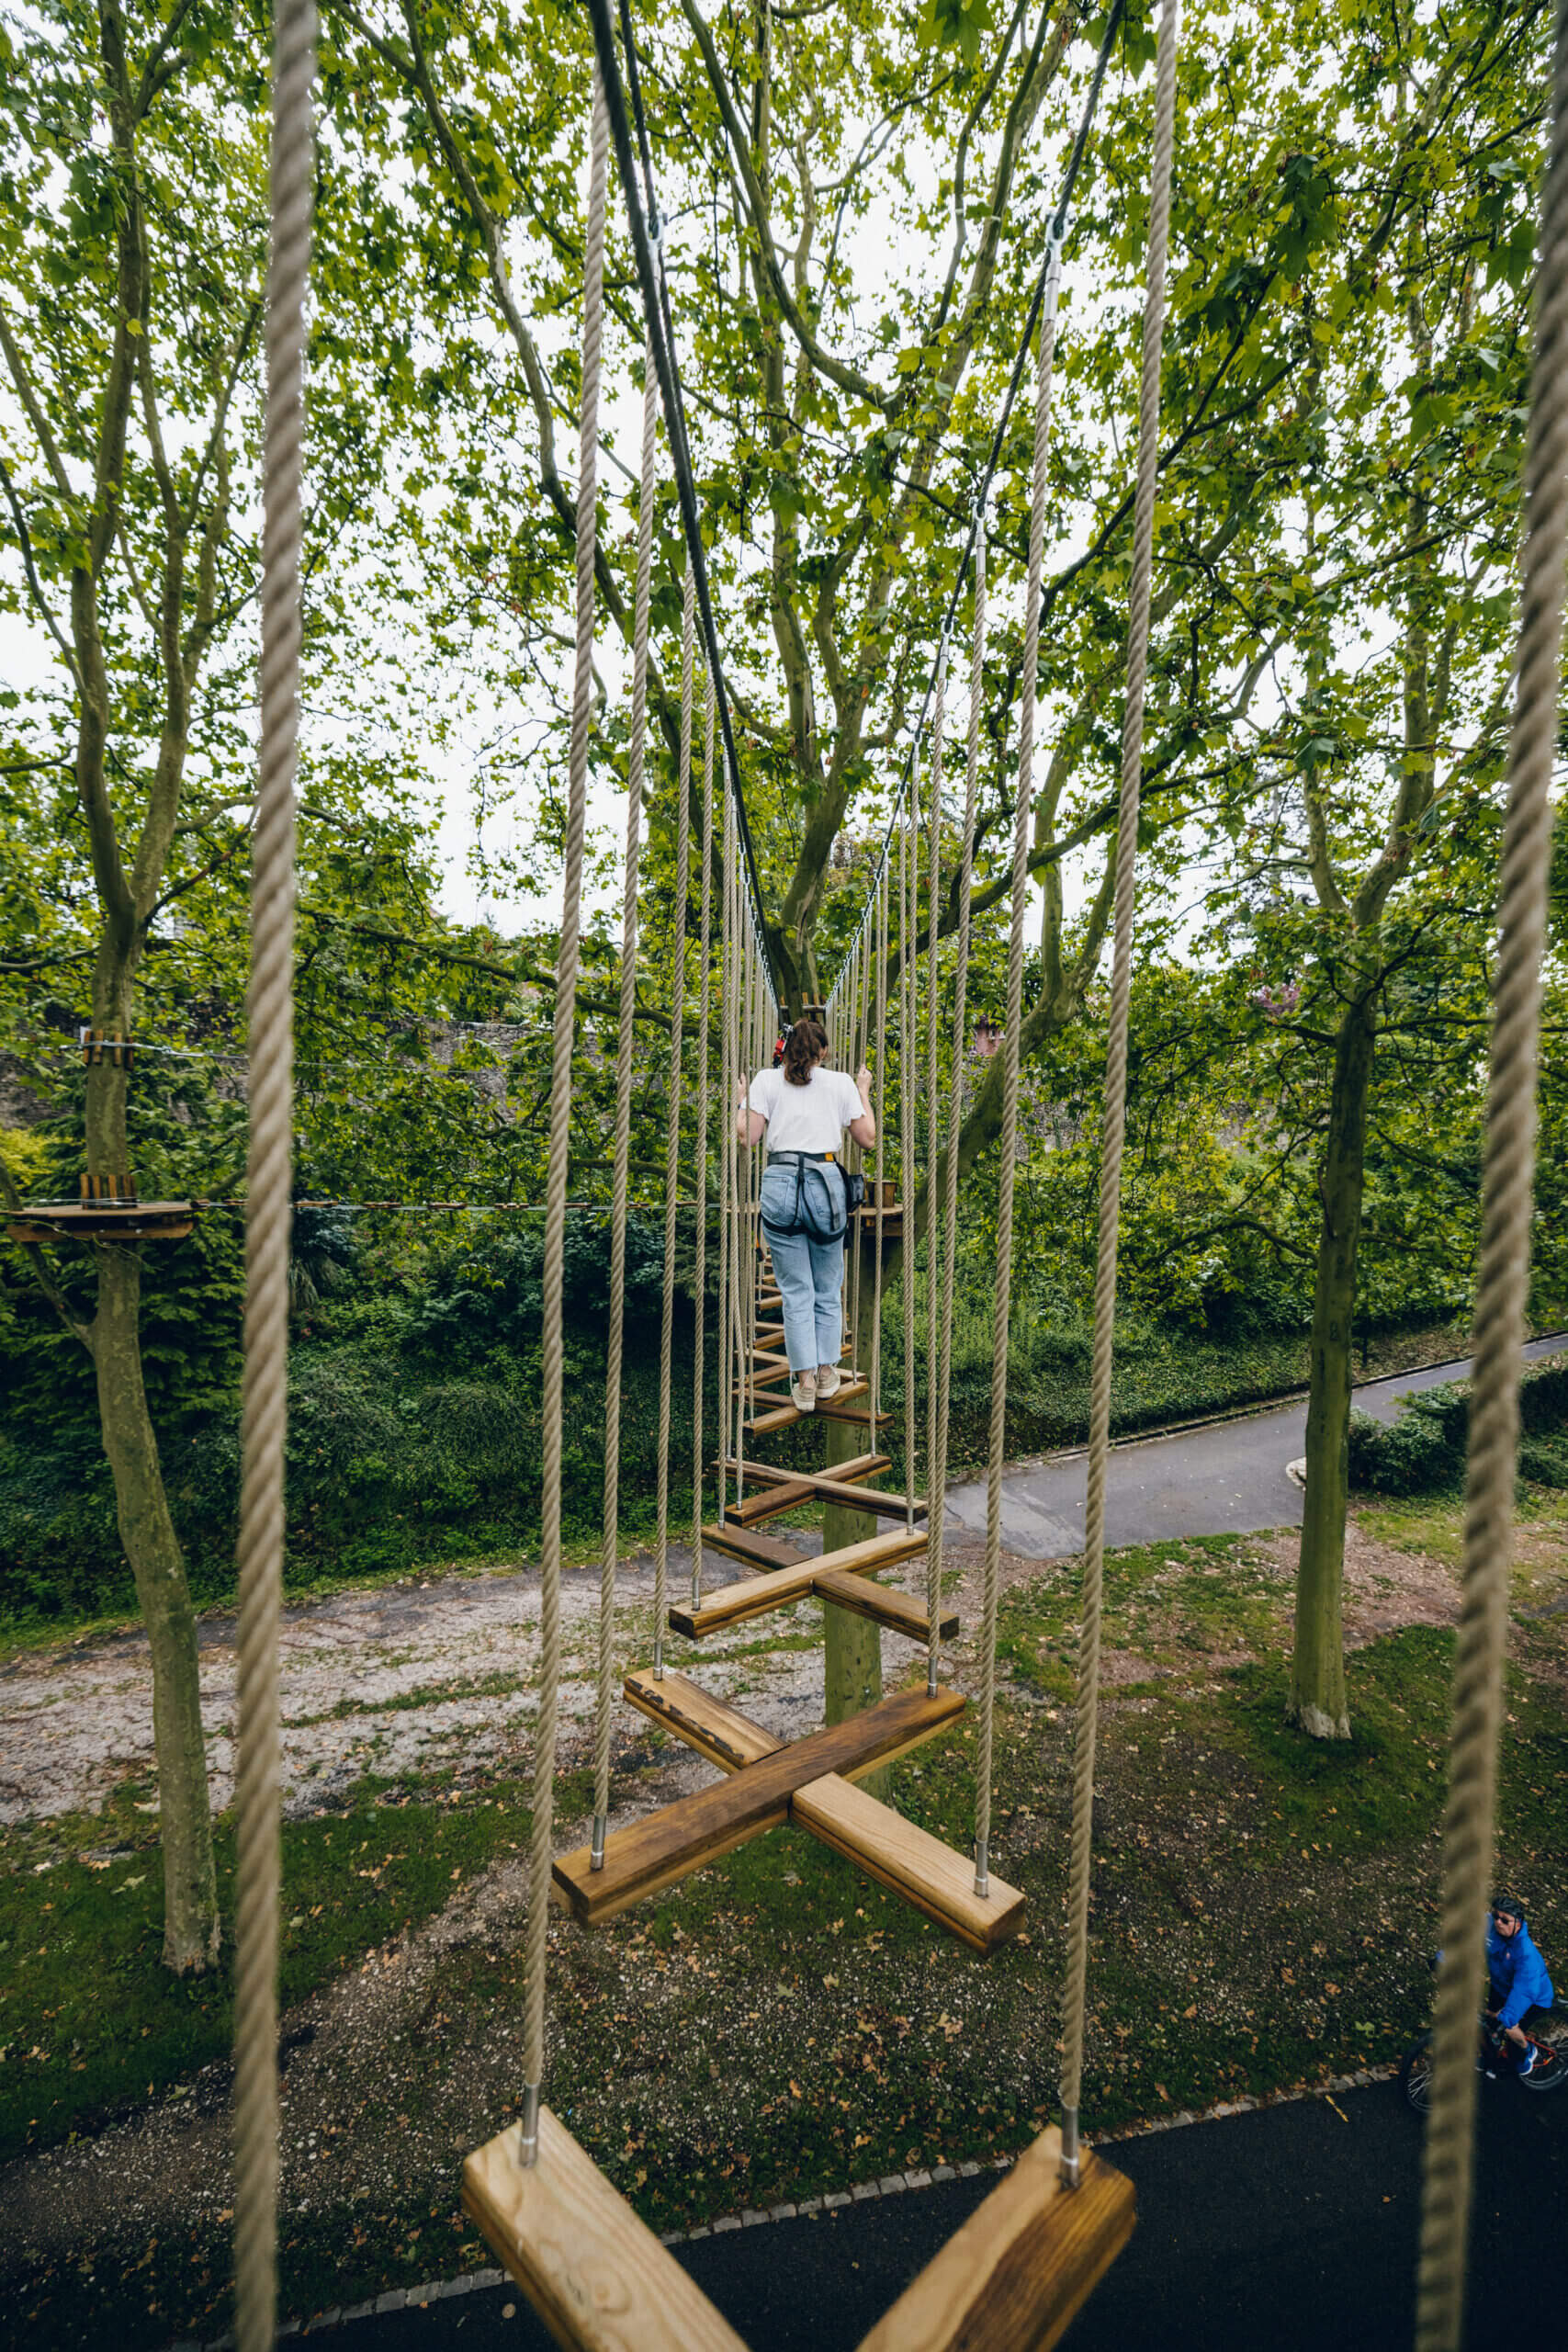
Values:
[(810, 1273)]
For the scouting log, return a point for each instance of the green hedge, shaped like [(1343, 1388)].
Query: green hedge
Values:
[(1422, 1452)]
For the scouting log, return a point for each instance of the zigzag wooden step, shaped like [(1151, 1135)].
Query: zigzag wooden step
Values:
[(840, 1407), (696, 1829), (841, 1486), (722, 1734), (905, 1859), (787, 1490), (902, 1612), (1022, 2266), (910, 1861), (745, 1543), (595, 2274), (735, 1602)]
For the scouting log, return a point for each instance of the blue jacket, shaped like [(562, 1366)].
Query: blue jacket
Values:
[(1519, 1981)]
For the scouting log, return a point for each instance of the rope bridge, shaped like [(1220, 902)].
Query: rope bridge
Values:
[(1023, 2265)]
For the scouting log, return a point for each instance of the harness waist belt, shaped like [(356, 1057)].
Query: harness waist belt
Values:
[(803, 1155)]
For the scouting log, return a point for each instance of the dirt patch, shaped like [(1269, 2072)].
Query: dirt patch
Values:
[(1384, 1588)]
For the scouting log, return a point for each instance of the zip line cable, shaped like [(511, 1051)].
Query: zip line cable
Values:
[(650, 272), (1055, 237)]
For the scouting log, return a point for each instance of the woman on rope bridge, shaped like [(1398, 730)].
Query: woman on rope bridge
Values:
[(804, 1108)]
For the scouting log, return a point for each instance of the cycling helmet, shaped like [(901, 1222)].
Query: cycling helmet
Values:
[(1508, 1903)]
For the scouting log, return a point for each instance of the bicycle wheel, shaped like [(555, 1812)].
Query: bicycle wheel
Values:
[(1550, 2072), (1416, 2074)]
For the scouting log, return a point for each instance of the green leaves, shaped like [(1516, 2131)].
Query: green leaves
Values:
[(957, 24)]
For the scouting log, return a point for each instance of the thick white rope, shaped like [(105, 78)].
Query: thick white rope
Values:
[(937, 1500), (604, 1697), (672, 1124), (934, 1282), (1085, 1713), (700, 1171), (540, 1854), (270, 1014), (726, 1148), (908, 1086), (1502, 1279)]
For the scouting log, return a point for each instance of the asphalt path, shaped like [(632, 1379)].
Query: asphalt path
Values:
[(1291, 2228), (1227, 1479)]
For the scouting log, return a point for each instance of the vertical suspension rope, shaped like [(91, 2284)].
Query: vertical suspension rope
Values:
[(270, 1014), (727, 1146), (880, 952), (1013, 1020), (604, 1697), (540, 1848), (936, 1284), (908, 1081), (937, 1503), (704, 1008), (1503, 1277), (672, 1124), (1087, 1701)]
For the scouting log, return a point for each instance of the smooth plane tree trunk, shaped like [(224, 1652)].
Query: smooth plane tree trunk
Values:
[(190, 1891), (1317, 1700)]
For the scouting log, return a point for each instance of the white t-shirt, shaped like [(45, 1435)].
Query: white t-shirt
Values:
[(806, 1118)]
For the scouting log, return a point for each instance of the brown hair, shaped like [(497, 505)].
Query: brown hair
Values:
[(804, 1047)]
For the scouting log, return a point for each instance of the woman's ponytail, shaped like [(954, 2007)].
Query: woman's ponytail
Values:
[(804, 1048)]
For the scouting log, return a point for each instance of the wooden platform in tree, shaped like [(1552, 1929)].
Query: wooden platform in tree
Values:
[(697, 1829), (103, 1221), (595, 2274), (731, 1604), (743, 1543), (910, 1861), (902, 1612), (1022, 2266)]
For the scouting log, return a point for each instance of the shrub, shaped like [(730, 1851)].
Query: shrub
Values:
[(1422, 1452)]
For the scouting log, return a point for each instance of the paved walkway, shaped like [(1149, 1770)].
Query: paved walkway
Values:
[(1293, 2227), (1227, 1479)]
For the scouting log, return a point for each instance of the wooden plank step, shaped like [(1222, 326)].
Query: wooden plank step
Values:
[(838, 1488), (596, 2275), (884, 1604), (910, 1861), (785, 1416), (1023, 2264), (768, 1474), (770, 1501), (745, 1543), (735, 1602), (906, 1860), (722, 1734), (696, 1829)]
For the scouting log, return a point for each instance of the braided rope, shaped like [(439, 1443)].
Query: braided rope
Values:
[(700, 1171), (672, 1128), (539, 1850), (909, 1077), (1503, 1278), (604, 1696), (725, 1144), (1007, 1171), (881, 953), (270, 1012), (936, 1514), (1085, 1712), (935, 1287)]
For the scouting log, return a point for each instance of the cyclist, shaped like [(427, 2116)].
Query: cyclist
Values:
[(1519, 1981)]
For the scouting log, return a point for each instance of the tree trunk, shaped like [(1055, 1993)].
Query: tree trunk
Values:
[(1317, 1673), (190, 1889), (853, 1662)]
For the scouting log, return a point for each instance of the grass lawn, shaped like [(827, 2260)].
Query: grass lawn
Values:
[(1263, 1912)]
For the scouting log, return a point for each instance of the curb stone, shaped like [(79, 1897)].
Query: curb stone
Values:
[(831, 2201)]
